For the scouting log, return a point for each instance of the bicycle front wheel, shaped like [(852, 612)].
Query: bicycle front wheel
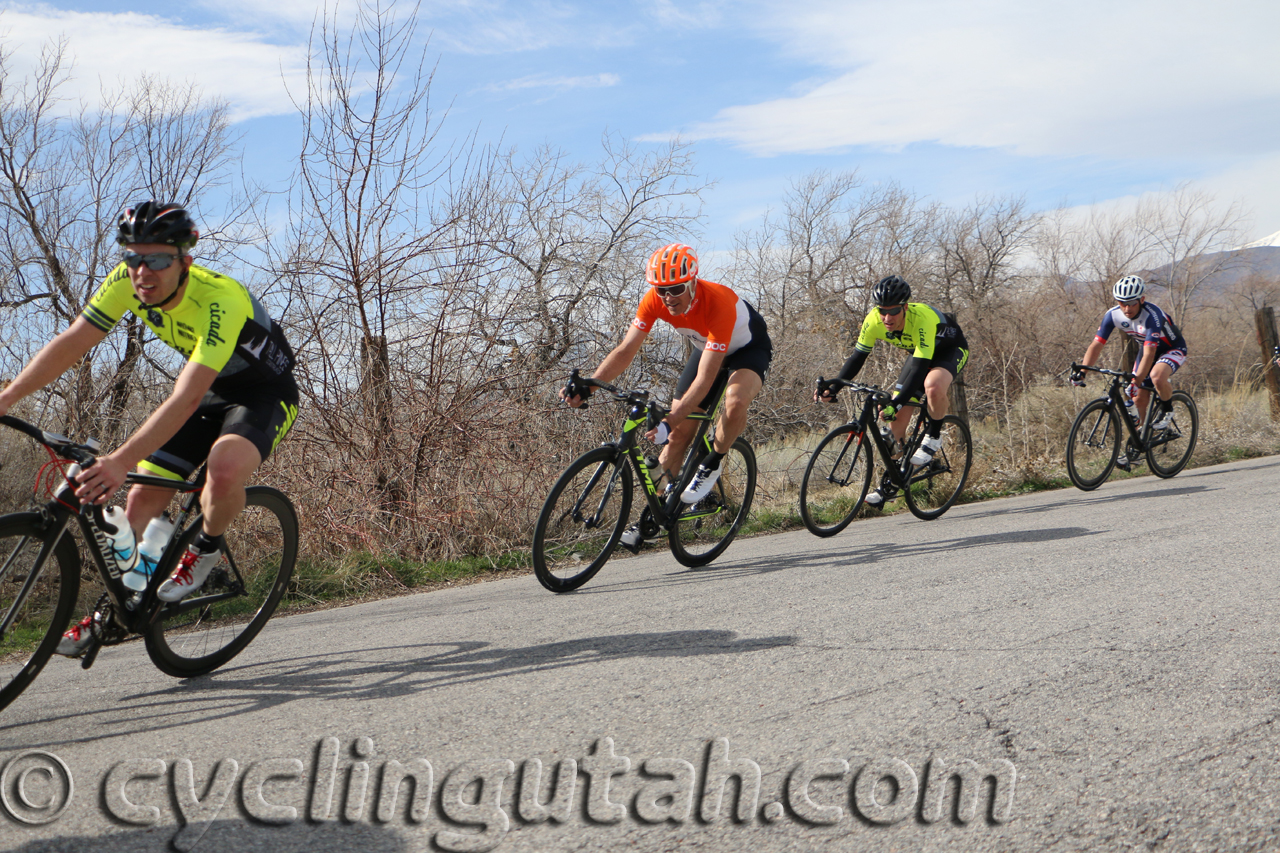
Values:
[(211, 626), (1093, 444), (1169, 450), (703, 530), (836, 481), (933, 487), (37, 597), (582, 519)]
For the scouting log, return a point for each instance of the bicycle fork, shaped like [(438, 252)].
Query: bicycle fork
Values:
[(46, 551)]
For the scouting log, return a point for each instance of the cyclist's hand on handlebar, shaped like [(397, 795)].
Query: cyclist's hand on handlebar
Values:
[(1077, 378), (575, 394), (825, 394), (660, 434), (100, 480), (889, 412)]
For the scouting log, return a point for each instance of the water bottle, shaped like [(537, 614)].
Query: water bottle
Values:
[(1129, 407), (654, 466), (150, 550), (124, 545)]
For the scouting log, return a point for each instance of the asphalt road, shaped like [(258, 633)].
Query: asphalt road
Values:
[(1107, 662)]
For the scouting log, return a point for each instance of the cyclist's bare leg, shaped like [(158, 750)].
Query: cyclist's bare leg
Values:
[(232, 462), (743, 387), (1160, 375), (936, 386), (672, 455), (145, 503)]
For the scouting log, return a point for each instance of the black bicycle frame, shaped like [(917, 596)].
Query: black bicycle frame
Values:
[(1115, 397)]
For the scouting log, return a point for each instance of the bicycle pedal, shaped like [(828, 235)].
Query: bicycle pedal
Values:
[(91, 653)]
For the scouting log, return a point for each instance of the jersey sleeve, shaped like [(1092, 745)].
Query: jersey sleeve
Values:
[(110, 301), (221, 323), (648, 311), (926, 332), (1154, 329), (720, 325), (1105, 328), (872, 330)]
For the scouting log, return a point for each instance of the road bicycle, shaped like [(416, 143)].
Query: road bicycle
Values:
[(1094, 442), (838, 476), (588, 508), (40, 574)]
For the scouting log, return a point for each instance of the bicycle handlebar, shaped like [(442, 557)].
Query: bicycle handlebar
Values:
[(85, 454), (577, 384), (837, 384), (1119, 373)]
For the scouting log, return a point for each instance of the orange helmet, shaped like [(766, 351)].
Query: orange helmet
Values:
[(673, 264)]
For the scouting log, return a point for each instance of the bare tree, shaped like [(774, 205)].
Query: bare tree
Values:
[(1193, 242), (64, 177)]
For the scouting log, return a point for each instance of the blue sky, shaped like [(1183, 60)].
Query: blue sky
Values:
[(1080, 104)]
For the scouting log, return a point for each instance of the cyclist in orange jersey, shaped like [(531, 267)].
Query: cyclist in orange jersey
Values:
[(732, 334)]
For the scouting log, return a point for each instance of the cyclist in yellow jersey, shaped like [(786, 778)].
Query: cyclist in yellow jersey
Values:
[(939, 351), (232, 403)]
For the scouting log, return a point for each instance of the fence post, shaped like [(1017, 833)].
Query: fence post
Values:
[(1265, 319)]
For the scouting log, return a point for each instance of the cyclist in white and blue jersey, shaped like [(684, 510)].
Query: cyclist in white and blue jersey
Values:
[(1163, 351)]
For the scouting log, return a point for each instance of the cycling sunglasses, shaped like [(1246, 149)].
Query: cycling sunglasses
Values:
[(155, 261), (890, 312), (1125, 303), (671, 289)]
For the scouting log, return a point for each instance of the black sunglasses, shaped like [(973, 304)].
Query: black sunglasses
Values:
[(890, 312), (156, 261), (671, 289)]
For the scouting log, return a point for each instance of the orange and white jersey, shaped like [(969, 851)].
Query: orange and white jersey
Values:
[(718, 318)]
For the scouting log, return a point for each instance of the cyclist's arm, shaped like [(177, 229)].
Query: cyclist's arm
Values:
[(1091, 354), (53, 360), (917, 369), (708, 367), (615, 362), (193, 383), (1148, 362)]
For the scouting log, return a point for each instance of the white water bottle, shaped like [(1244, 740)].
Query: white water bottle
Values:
[(124, 545), (150, 550)]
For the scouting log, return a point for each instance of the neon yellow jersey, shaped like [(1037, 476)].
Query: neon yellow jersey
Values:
[(218, 324), (926, 331)]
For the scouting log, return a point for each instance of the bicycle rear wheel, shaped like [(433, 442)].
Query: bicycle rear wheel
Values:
[(1169, 450), (34, 611), (582, 519), (836, 481), (703, 530), (211, 626), (1093, 444), (933, 487)]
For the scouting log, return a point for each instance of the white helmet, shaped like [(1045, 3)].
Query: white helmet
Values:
[(1128, 288)]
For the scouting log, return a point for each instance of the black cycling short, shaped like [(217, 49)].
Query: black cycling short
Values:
[(951, 360), (262, 414), (757, 356)]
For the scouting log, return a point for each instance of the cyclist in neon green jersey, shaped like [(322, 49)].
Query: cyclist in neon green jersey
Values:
[(232, 403), (939, 351)]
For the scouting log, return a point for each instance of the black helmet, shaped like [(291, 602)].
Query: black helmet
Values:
[(892, 290), (152, 222)]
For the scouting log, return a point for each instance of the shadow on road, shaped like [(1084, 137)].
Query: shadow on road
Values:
[(1091, 499), (379, 673), (877, 552), (235, 836)]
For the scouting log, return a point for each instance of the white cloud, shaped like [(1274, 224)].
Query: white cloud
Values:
[(695, 15), (593, 81), (1088, 78), (108, 49)]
